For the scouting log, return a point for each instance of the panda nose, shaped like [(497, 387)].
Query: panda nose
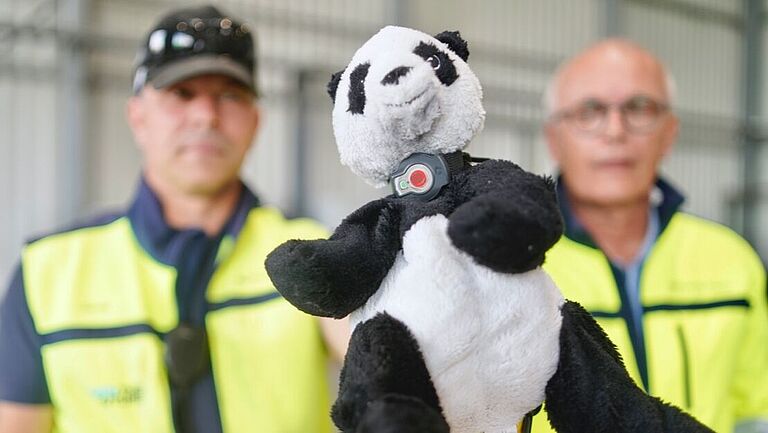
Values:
[(393, 76)]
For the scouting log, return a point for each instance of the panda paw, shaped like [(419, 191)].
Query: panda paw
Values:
[(394, 413), (507, 235)]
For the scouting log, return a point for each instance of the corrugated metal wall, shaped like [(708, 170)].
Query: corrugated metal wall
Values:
[(700, 42), (28, 125), (66, 151)]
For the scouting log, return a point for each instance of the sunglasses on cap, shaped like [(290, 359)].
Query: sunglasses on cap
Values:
[(185, 47)]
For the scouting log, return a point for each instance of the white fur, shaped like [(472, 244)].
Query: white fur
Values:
[(490, 340), (393, 126)]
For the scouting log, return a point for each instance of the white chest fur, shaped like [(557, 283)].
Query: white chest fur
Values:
[(489, 340)]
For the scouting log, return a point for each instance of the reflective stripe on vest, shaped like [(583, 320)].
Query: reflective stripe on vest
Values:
[(101, 305), (696, 288)]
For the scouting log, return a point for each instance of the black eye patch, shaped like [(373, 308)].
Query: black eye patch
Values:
[(445, 71), (357, 88)]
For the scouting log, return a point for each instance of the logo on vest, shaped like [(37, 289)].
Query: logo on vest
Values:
[(111, 395)]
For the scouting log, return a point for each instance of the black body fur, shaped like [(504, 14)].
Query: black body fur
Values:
[(591, 390), (385, 384), (501, 215), (506, 219), (495, 210)]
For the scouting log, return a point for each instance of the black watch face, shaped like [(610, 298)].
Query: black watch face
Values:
[(421, 175), (418, 179)]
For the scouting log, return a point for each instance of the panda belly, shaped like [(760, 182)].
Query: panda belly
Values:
[(490, 340)]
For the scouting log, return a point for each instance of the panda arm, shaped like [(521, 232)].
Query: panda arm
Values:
[(333, 277), (508, 219), (591, 390)]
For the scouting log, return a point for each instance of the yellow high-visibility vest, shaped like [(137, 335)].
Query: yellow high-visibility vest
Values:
[(702, 289), (101, 304)]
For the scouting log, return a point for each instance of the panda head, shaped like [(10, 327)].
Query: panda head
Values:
[(404, 92)]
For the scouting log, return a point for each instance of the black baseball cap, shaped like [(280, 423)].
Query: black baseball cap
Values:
[(194, 41)]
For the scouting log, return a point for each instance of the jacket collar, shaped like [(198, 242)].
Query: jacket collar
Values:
[(671, 200), (164, 242)]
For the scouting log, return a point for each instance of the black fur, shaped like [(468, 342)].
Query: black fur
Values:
[(401, 414), (357, 88), (334, 277), (520, 222), (385, 385), (333, 85), (506, 219), (592, 392), (393, 76), (511, 221), (455, 42), (446, 71)]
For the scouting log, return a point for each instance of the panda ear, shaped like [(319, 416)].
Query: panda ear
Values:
[(334, 84), (455, 43)]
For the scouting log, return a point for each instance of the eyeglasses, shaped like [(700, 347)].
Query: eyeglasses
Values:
[(639, 114), (215, 35), (177, 40)]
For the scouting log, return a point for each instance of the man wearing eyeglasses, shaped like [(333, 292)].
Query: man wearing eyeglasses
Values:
[(682, 298), (162, 318)]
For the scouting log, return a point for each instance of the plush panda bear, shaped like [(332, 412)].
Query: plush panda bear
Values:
[(456, 326)]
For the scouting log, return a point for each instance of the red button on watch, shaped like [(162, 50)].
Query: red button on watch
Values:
[(418, 178)]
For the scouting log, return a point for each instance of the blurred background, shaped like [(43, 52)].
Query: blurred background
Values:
[(65, 73)]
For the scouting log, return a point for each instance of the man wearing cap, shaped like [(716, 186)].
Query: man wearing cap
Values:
[(162, 318)]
